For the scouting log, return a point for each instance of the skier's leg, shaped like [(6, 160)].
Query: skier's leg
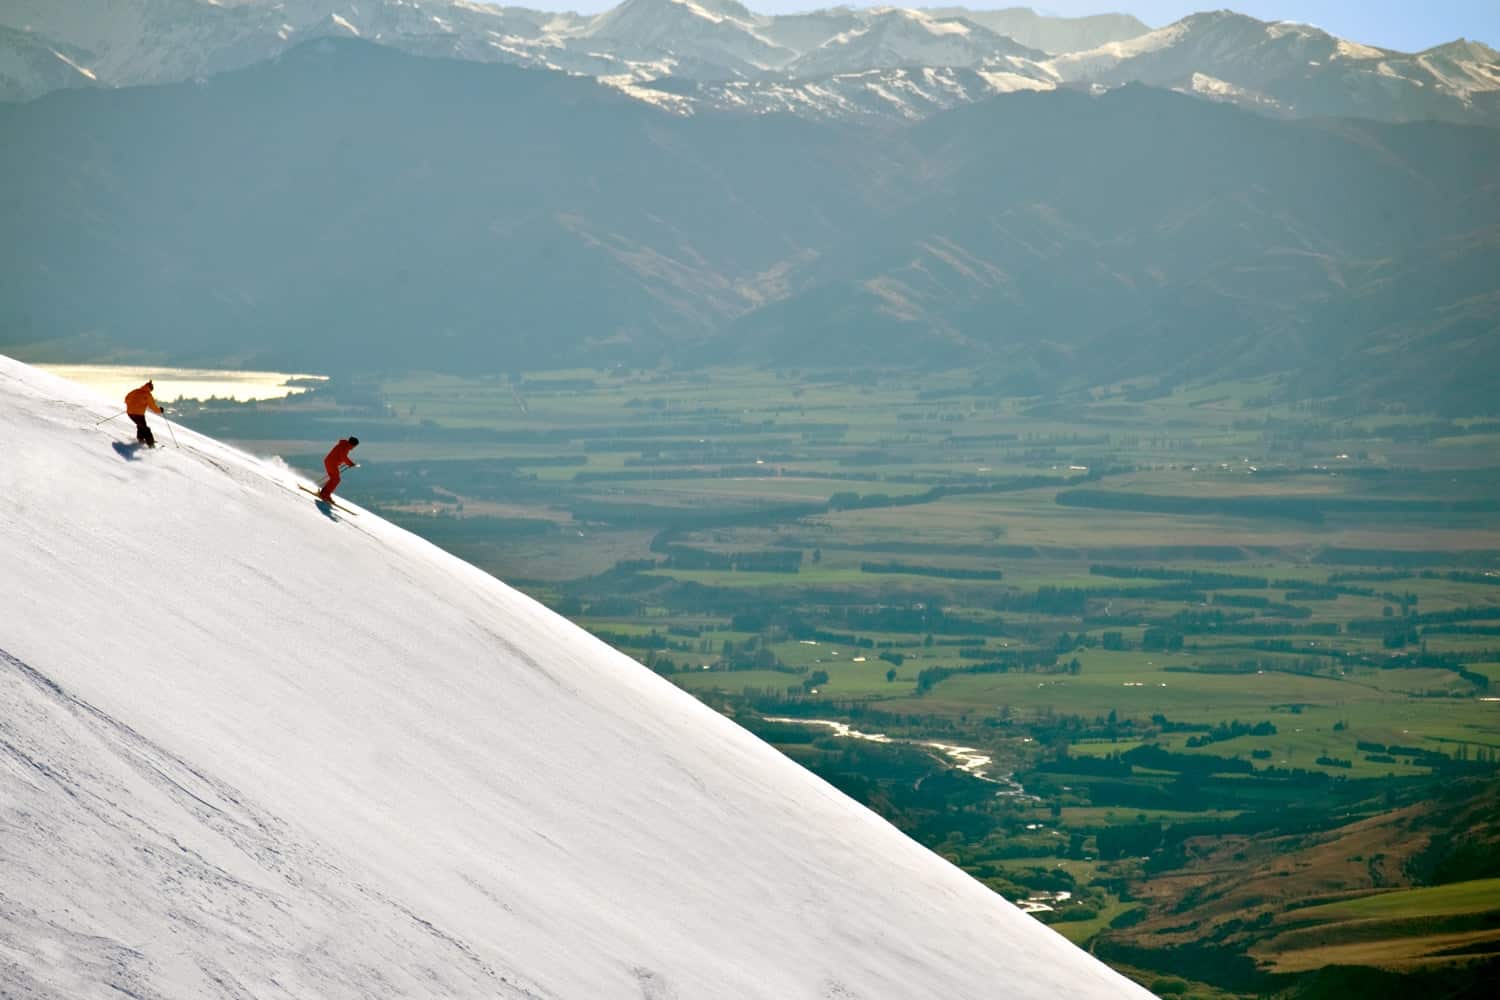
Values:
[(142, 432), (331, 483)]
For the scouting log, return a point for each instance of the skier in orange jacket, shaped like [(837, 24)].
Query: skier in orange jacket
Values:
[(137, 402), (333, 463)]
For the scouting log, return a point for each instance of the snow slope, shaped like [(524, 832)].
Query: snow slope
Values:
[(250, 750), (892, 37)]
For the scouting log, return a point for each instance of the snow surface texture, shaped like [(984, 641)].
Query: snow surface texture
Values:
[(252, 749)]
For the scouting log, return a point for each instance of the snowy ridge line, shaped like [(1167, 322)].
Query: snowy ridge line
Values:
[(300, 762), (731, 58)]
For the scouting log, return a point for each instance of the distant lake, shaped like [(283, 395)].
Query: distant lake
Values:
[(186, 383)]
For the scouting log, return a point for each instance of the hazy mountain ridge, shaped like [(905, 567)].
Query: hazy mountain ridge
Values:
[(877, 95), (1157, 234), (153, 41), (719, 55), (339, 209), (663, 237)]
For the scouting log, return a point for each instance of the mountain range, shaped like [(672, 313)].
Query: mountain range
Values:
[(350, 207), (694, 56)]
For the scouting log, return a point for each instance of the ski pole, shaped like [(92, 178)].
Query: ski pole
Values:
[(110, 417), (173, 433)]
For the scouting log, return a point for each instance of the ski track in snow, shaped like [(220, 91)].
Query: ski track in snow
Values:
[(75, 780), (249, 751)]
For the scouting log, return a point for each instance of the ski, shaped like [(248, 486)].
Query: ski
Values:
[(332, 503)]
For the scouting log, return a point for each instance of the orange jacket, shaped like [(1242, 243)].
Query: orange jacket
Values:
[(339, 456), (138, 400)]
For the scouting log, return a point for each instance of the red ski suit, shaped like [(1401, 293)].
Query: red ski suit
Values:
[(333, 463)]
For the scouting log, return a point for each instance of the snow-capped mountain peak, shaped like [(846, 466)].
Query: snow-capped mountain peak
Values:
[(711, 33), (720, 54), (713, 11), (890, 37), (1296, 69)]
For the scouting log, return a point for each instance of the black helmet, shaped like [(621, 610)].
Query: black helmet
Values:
[(353, 440)]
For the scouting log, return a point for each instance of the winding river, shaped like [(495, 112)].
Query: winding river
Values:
[(967, 759)]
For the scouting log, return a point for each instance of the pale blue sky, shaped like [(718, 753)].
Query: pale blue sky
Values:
[(1410, 25)]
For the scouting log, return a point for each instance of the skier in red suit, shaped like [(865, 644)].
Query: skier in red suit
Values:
[(333, 463)]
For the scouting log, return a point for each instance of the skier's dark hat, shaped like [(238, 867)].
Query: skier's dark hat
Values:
[(353, 440)]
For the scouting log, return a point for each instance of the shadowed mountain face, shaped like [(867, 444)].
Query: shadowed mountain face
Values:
[(1144, 231), (355, 206), (349, 207)]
